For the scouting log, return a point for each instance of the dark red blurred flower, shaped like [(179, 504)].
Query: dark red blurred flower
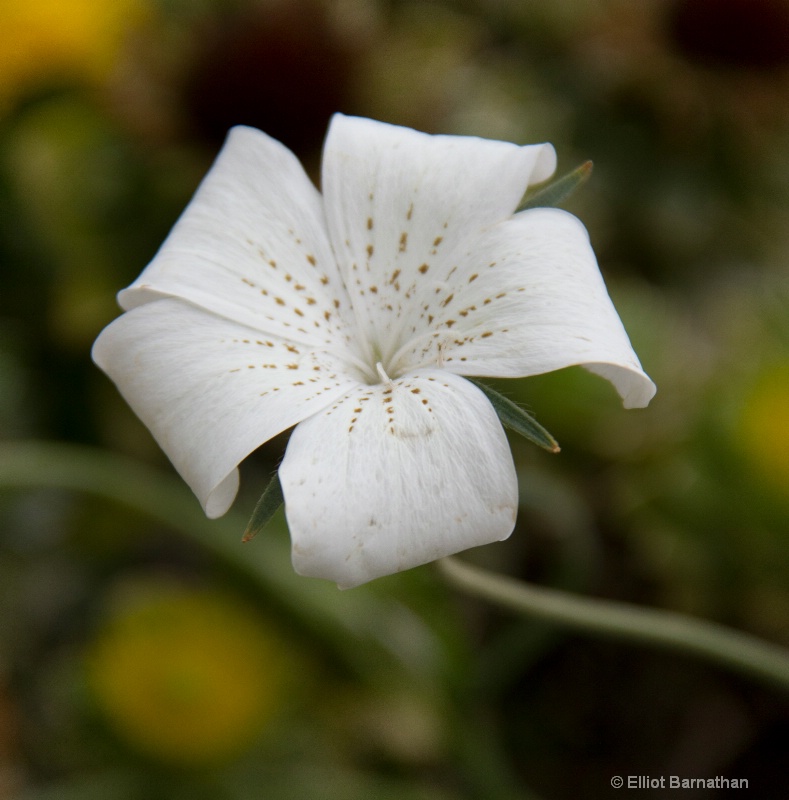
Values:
[(284, 71), (749, 34)]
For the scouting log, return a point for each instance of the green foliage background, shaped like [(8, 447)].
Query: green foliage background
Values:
[(401, 689)]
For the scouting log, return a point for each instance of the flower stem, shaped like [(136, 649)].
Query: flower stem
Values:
[(729, 648)]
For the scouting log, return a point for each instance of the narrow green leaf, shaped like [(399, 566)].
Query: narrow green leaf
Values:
[(517, 419), (267, 506), (555, 193)]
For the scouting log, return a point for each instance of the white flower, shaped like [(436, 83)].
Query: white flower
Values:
[(354, 316)]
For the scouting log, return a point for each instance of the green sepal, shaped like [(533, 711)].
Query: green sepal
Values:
[(271, 499), (515, 418), (555, 193)]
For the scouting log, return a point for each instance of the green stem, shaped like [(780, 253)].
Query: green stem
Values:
[(729, 648), (337, 614)]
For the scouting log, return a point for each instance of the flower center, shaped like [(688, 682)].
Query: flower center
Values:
[(427, 349), (376, 369)]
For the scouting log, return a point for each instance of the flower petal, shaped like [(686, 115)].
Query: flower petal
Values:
[(398, 204), (530, 299), (252, 246), (395, 475), (211, 390)]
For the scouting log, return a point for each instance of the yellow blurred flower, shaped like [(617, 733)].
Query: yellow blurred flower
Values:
[(42, 40), (187, 676), (763, 429)]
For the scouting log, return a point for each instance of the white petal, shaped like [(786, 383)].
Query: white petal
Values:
[(398, 204), (396, 475), (252, 246), (529, 299), (211, 390)]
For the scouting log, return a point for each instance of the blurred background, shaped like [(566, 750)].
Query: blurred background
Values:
[(145, 653)]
